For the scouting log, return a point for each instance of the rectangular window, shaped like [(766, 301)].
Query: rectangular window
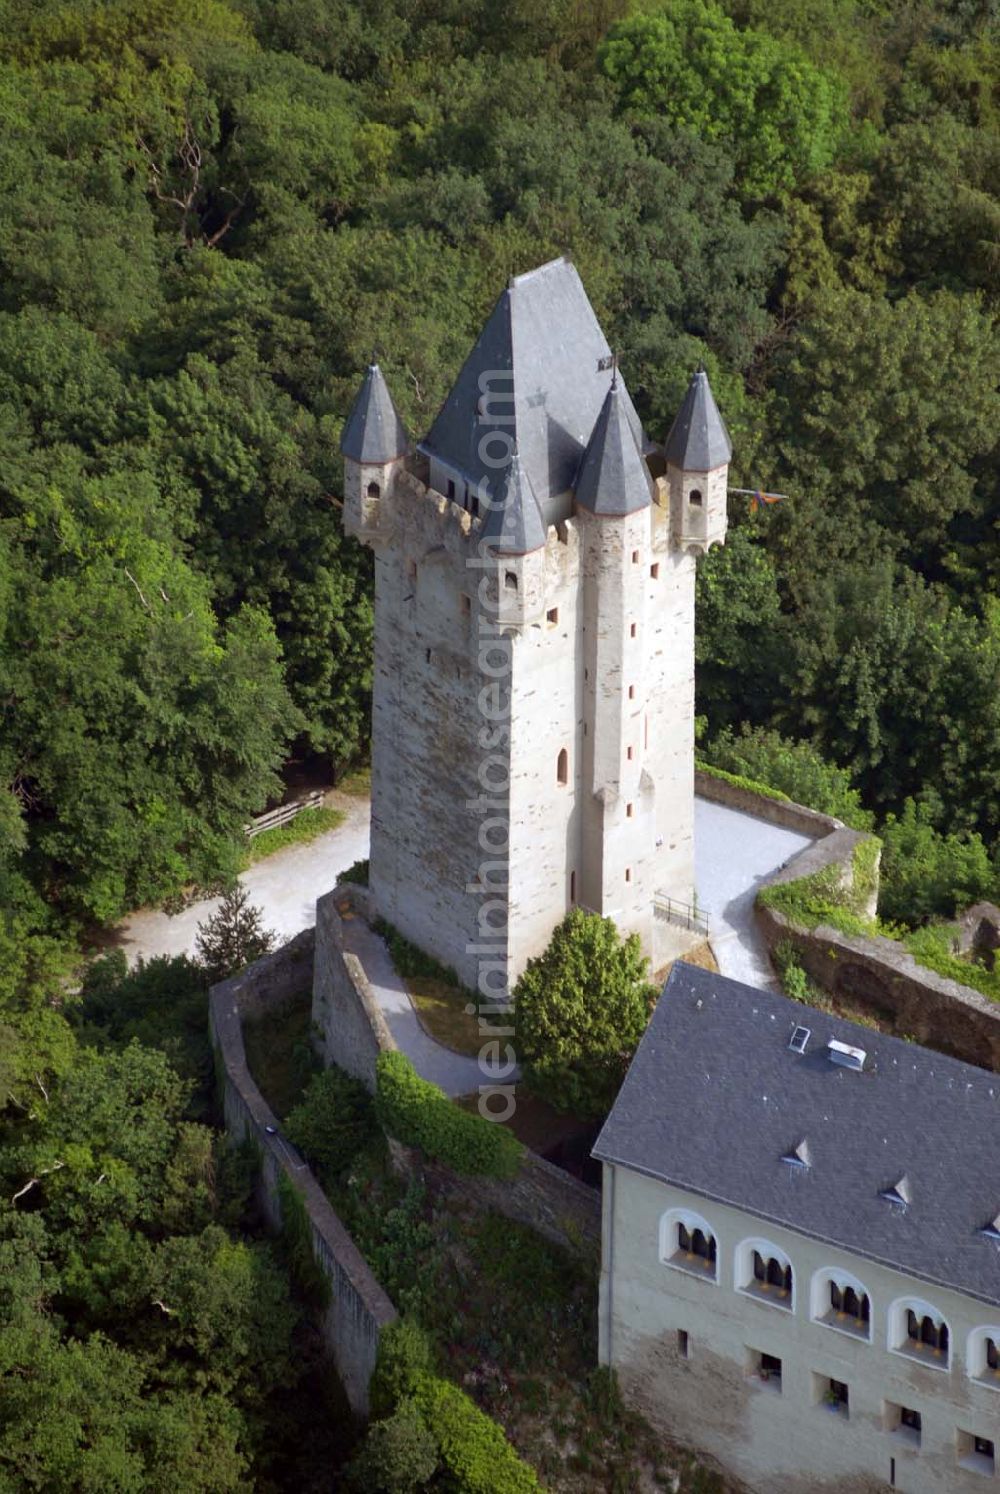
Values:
[(552, 615), (683, 1344), (654, 571), (635, 557), (977, 1454), (631, 692), (628, 811), (572, 886), (451, 489), (831, 1394), (632, 631), (628, 874), (765, 1369), (629, 753), (902, 1422)]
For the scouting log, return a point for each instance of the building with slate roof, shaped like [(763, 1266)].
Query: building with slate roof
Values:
[(533, 692), (801, 1246)]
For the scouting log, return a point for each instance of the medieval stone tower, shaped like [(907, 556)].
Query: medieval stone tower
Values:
[(533, 715)]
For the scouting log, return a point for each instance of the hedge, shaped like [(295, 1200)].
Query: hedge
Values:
[(474, 1450), (420, 1114)]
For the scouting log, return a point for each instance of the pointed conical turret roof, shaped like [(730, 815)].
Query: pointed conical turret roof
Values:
[(513, 524), (373, 432), (698, 440), (613, 477)]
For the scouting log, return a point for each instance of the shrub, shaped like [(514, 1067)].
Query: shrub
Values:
[(794, 768), (333, 1122), (581, 1008), (410, 961), (476, 1455), (822, 898), (404, 1354), (397, 1456), (935, 947), (357, 874), (925, 873), (419, 1114)]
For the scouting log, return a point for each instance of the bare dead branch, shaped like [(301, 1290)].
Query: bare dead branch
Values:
[(32, 1182)]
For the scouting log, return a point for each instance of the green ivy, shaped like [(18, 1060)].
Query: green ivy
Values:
[(420, 1114), (296, 1232), (751, 785), (476, 1454)]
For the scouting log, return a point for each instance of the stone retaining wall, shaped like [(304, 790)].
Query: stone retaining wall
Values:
[(874, 974), (354, 1031), (358, 1309), (541, 1196), (775, 811)]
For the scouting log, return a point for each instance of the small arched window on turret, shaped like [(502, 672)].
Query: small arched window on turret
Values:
[(373, 490), (695, 499), (510, 580)]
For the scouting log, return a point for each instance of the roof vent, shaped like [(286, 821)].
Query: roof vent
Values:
[(799, 1156), (846, 1056), (899, 1193), (799, 1038), (992, 1229)]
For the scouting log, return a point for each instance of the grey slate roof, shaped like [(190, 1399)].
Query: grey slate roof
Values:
[(373, 431), (513, 524), (539, 353), (698, 440), (613, 476), (714, 1098)]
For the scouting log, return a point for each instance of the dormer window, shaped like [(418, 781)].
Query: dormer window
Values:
[(920, 1332), (687, 1241)]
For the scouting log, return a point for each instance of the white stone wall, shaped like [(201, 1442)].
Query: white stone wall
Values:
[(787, 1440)]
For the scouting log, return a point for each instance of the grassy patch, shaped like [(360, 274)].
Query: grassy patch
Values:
[(822, 897), (438, 996), (280, 1054), (357, 783), (307, 825)]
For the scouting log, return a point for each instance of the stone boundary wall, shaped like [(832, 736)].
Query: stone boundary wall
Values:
[(354, 1031), (872, 973), (542, 1196), (782, 812), (359, 1309)]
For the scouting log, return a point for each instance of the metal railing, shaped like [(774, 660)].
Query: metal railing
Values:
[(683, 914)]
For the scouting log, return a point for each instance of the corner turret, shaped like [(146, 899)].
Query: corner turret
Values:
[(514, 532), (374, 443), (613, 479), (698, 451)]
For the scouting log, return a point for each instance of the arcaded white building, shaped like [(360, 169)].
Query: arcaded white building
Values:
[(533, 697), (801, 1246)]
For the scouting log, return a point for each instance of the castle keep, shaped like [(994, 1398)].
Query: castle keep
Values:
[(533, 710)]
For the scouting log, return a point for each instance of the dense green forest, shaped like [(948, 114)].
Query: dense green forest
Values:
[(211, 212)]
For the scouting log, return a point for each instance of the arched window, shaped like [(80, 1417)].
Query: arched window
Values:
[(839, 1300), (764, 1271), (373, 490), (695, 499), (919, 1331), (510, 580), (688, 1242), (982, 1356), (562, 766)]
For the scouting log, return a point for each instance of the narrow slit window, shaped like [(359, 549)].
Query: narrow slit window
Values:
[(631, 692), (631, 631), (628, 811), (562, 766), (628, 874), (654, 570), (552, 615), (635, 557)]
